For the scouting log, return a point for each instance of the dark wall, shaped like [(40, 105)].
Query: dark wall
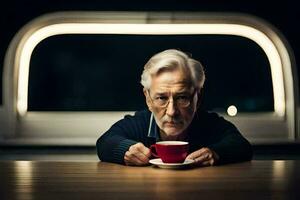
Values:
[(283, 15)]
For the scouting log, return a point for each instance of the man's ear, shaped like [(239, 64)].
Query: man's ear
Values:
[(148, 100)]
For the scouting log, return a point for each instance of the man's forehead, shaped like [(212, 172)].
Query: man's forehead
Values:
[(174, 88), (171, 81)]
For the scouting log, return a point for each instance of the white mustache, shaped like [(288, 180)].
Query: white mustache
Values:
[(171, 120)]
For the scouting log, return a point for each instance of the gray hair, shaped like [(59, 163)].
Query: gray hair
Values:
[(173, 59)]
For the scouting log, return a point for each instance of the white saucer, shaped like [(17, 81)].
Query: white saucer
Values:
[(158, 162)]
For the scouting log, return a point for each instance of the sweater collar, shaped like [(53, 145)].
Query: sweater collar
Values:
[(153, 130)]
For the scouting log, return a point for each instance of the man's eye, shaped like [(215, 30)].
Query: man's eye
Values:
[(162, 98), (182, 98)]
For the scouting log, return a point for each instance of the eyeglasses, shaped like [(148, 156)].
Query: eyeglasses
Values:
[(181, 101)]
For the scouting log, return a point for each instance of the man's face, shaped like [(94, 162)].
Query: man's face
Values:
[(171, 87)]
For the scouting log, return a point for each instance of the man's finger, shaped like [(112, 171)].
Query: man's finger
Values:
[(206, 163), (132, 159), (137, 161), (141, 157), (193, 155), (198, 153), (203, 157), (129, 156), (141, 148), (139, 154), (134, 154)]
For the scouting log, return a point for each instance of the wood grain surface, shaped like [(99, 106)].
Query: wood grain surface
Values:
[(270, 179)]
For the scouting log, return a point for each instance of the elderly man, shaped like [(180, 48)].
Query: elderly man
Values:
[(172, 84)]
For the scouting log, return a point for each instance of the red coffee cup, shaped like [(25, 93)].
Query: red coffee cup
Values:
[(170, 151)]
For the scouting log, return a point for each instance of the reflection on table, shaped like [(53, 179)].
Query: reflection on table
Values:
[(275, 179)]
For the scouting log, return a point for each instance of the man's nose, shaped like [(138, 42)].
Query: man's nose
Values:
[(171, 108)]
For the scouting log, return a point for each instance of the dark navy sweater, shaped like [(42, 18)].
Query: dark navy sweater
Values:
[(206, 130)]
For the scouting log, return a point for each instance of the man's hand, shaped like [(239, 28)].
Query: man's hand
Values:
[(137, 154), (204, 157)]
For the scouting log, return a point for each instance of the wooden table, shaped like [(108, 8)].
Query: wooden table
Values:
[(99, 180)]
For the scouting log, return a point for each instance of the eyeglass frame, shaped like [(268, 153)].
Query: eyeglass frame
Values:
[(191, 97)]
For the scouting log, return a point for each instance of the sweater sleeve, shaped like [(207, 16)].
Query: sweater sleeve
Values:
[(113, 144), (229, 143)]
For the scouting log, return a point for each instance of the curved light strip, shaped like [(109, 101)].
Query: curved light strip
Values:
[(152, 29)]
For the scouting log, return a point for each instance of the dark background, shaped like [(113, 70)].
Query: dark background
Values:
[(102, 72), (283, 15)]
